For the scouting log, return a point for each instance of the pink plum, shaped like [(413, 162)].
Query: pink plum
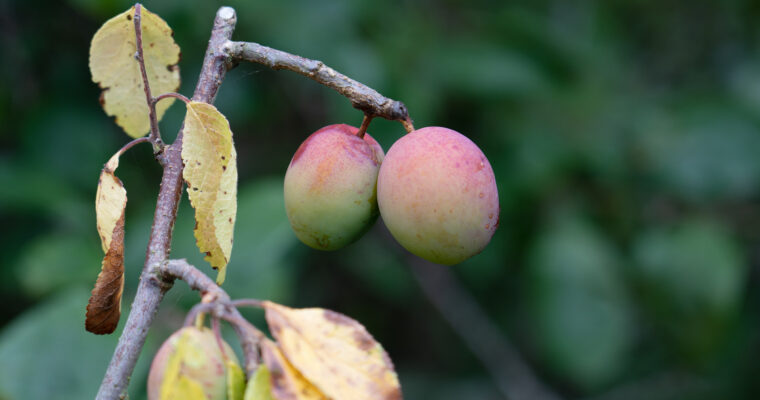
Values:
[(331, 187), (437, 195)]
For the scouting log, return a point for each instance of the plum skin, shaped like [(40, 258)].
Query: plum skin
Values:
[(208, 370), (437, 195), (331, 187)]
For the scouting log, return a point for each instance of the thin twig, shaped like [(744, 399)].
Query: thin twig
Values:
[(249, 337), (131, 144), (247, 303), (152, 286), (195, 311), (167, 95), (197, 280), (155, 135), (361, 96), (513, 376)]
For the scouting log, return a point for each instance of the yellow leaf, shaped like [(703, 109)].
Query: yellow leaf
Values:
[(235, 380), (259, 386), (115, 69), (334, 352), (211, 176), (104, 307), (286, 382)]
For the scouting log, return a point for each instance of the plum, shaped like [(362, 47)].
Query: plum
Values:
[(202, 363), (331, 187), (437, 195)]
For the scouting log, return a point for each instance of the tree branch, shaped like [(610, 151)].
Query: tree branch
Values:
[(513, 376), (362, 97), (152, 286), (248, 334)]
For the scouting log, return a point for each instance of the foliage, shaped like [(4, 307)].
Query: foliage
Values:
[(624, 131)]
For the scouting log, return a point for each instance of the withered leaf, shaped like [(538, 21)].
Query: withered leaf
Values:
[(104, 307), (114, 68), (286, 382), (334, 352), (211, 176)]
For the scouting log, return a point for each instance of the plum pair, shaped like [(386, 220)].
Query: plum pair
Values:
[(435, 190)]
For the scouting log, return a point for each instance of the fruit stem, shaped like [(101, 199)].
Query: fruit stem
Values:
[(408, 124), (365, 124)]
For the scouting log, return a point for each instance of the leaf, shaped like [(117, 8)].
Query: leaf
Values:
[(104, 307), (259, 386), (693, 277), (235, 380), (334, 352), (47, 340), (211, 175), (115, 69), (580, 313), (286, 382)]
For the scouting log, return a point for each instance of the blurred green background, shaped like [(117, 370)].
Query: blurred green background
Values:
[(624, 135)]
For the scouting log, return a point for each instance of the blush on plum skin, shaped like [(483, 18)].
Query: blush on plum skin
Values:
[(437, 195), (331, 187)]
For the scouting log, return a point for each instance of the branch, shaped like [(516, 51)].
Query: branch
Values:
[(152, 286), (362, 97), (513, 376), (214, 295)]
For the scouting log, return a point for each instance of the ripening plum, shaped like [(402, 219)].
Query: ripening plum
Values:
[(331, 187), (201, 364), (437, 195)]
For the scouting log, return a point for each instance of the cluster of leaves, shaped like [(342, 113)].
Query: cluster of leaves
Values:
[(318, 354), (208, 152)]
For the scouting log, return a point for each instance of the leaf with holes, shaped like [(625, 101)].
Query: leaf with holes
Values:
[(259, 386), (114, 68), (334, 352), (286, 381), (211, 176), (104, 307)]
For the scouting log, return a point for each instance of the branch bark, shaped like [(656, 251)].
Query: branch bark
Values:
[(152, 286), (362, 97)]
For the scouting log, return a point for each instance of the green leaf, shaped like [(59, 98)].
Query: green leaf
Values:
[(259, 386), (235, 380), (580, 311), (693, 277), (47, 354)]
